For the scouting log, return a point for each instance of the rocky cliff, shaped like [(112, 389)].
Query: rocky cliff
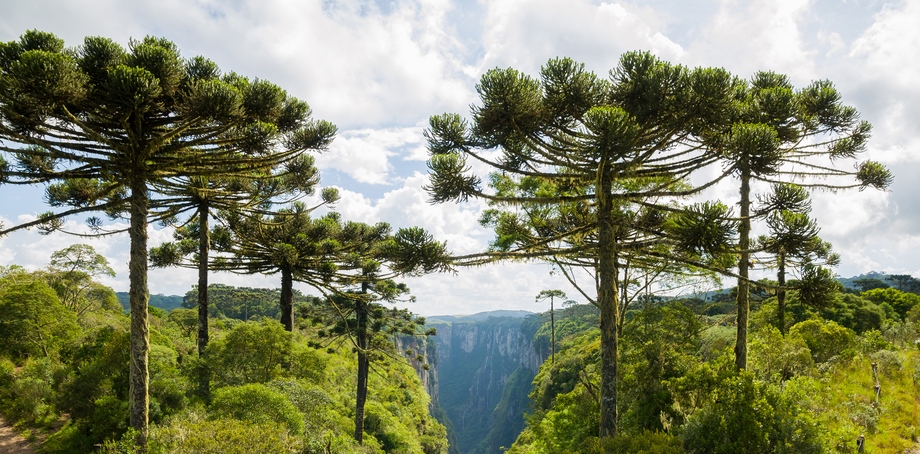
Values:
[(480, 373)]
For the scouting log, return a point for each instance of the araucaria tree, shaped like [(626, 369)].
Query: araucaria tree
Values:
[(793, 242), (204, 197), (590, 151), (103, 124), (589, 172), (353, 263), (775, 134)]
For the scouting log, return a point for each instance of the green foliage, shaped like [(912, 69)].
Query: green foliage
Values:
[(825, 338), (165, 302), (256, 403), (34, 321), (196, 435), (71, 272), (854, 312), (644, 443), (777, 358), (902, 302), (29, 397), (658, 344), (745, 415), (249, 353), (94, 392), (241, 303)]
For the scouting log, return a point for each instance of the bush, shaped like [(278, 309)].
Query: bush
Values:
[(825, 338), (34, 322), (249, 353), (256, 403), (644, 443), (889, 363), (778, 358), (747, 416), (94, 393), (194, 434), (31, 393)]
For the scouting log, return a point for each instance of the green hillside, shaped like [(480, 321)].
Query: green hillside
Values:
[(810, 390), (271, 390)]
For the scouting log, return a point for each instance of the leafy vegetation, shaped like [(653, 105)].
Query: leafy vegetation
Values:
[(69, 378), (812, 390)]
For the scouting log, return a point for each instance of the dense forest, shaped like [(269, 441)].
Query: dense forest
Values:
[(604, 179)]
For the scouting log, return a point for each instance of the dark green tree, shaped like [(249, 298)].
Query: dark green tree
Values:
[(288, 242), (371, 259), (572, 142), (102, 125), (552, 295), (71, 273), (776, 134), (204, 197), (793, 241), (904, 282), (34, 322)]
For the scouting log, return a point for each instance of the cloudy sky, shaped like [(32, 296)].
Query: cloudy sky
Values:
[(379, 69)]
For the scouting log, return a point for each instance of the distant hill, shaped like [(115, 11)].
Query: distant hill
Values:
[(477, 317), (850, 282), (165, 302)]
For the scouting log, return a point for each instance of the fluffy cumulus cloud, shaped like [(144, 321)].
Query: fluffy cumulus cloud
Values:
[(525, 34), (750, 36), (367, 155), (357, 63)]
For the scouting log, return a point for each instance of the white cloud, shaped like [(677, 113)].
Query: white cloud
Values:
[(365, 154), (746, 37), (525, 34), (408, 206)]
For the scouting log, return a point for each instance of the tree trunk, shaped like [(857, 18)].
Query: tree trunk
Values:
[(781, 291), (287, 298), (552, 324), (204, 245), (140, 326), (744, 303), (608, 304), (363, 363)]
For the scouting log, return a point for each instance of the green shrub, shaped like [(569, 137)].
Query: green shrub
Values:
[(193, 434), (249, 353), (889, 362), (256, 403), (7, 375), (747, 416), (31, 394), (644, 443), (778, 358), (34, 322), (825, 338)]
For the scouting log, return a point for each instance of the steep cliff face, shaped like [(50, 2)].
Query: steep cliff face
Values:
[(480, 372)]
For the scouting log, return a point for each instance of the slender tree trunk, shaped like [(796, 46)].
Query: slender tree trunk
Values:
[(287, 298), (552, 325), (744, 303), (607, 301), (781, 291), (363, 363), (138, 297), (204, 247)]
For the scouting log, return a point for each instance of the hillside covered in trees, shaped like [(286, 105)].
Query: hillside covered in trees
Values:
[(64, 378)]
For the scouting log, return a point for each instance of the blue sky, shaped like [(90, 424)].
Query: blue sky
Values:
[(379, 69)]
